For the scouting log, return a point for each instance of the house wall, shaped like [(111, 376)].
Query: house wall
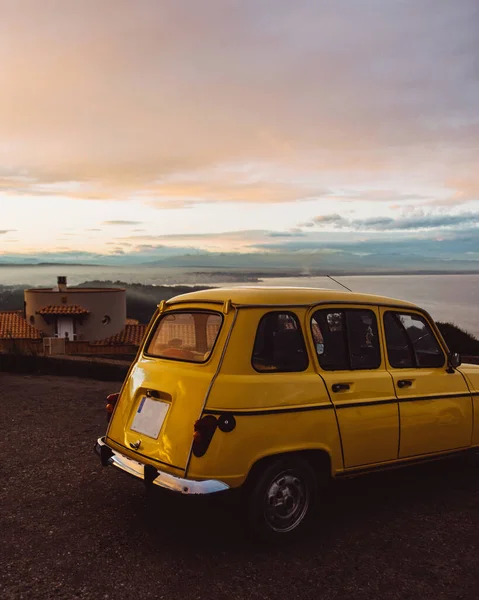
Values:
[(87, 348), (35, 347), (21, 347), (100, 302)]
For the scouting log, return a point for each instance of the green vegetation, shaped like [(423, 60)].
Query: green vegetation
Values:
[(459, 340), (142, 300), (11, 297)]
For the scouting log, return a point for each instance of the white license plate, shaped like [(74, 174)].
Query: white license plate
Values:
[(149, 417)]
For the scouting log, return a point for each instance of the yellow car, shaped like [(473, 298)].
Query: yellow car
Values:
[(276, 390)]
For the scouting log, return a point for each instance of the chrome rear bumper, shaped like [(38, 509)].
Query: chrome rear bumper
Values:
[(153, 476)]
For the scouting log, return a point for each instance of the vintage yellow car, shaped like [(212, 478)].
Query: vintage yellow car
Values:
[(276, 390)]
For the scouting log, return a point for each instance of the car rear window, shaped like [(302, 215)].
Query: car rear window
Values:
[(279, 345), (185, 336)]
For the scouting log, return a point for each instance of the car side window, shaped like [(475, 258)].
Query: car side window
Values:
[(328, 329), (279, 344), (346, 339), (411, 341), (399, 349), (363, 339)]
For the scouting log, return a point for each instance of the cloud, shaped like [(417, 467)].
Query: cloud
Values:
[(237, 241), (328, 219), (185, 195), (122, 222), (149, 103), (285, 234), (421, 221)]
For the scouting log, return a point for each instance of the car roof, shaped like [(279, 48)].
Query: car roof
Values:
[(292, 296)]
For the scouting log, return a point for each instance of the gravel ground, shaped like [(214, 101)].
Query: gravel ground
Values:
[(70, 529)]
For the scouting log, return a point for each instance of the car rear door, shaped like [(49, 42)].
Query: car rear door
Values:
[(435, 405), (352, 365), (167, 387)]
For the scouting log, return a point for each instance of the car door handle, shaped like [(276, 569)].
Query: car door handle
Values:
[(402, 383), (339, 387)]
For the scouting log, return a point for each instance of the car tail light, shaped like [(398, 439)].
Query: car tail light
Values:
[(203, 434), (111, 400)]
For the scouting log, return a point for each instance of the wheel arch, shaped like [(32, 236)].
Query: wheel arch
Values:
[(319, 459)]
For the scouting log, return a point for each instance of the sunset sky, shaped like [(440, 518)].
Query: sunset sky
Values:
[(131, 130)]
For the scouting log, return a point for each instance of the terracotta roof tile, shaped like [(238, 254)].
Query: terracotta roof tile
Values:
[(130, 335), (14, 326), (63, 309)]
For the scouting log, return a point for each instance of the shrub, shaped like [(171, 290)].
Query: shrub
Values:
[(459, 340)]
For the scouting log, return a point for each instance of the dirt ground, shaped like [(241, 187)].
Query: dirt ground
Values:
[(71, 529)]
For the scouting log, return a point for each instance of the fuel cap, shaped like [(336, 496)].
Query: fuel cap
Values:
[(226, 422)]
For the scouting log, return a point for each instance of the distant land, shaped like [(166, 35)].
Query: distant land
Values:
[(366, 257), (51, 264), (242, 274)]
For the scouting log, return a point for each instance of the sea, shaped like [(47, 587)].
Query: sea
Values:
[(452, 298)]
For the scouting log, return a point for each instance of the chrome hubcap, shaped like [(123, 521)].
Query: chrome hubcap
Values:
[(286, 502)]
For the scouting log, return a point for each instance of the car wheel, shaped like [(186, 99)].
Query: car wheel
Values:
[(281, 494)]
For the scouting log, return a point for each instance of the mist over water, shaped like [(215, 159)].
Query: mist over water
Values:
[(453, 298)]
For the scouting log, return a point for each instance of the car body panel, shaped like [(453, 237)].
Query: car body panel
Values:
[(367, 410), (231, 455), (262, 297), (289, 411), (471, 373), (435, 409), (182, 385), (367, 416)]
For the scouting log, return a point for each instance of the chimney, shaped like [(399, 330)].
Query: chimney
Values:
[(62, 284)]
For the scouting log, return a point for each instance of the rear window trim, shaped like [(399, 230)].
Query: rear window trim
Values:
[(182, 311)]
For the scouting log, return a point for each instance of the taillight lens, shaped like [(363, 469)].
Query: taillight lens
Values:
[(111, 400), (204, 430)]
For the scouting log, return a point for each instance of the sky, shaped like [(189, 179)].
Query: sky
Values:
[(136, 130)]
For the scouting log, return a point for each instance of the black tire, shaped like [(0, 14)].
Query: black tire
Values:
[(280, 495)]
